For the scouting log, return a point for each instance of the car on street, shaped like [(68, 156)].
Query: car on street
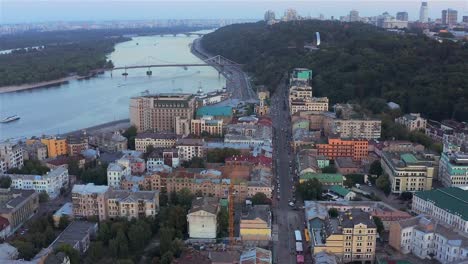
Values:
[(291, 204)]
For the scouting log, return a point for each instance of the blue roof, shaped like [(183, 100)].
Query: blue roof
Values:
[(214, 111)]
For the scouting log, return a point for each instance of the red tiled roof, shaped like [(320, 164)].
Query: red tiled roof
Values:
[(255, 160)]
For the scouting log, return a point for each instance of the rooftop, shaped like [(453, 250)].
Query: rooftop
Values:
[(74, 233), (258, 211), (346, 162), (339, 190), (451, 199), (256, 256), (89, 188), (356, 216), (323, 177), (190, 142), (207, 204), (214, 111), (168, 96), (66, 209), (131, 196), (151, 135), (14, 198)]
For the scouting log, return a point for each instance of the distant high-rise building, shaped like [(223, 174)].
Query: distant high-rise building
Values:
[(290, 15), (465, 19), (424, 13), (449, 17), (353, 16), (402, 16), (269, 15)]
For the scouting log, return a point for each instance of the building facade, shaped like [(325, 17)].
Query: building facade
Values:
[(408, 172), (336, 147), (116, 171), (255, 224), (18, 206), (51, 183), (55, 146), (76, 143), (357, 128), (158, 112), (110, 142), (157, 140), (447, 205), (412, 121), (34, 150), (11, 153), (189, 148), (453, 169), (208, 125), (202, 218)]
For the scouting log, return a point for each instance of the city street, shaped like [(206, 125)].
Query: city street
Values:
[(286, 219)]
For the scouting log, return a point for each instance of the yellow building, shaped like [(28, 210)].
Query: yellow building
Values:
[(350, 237), (409, 172), (55, 146), (256, 224)]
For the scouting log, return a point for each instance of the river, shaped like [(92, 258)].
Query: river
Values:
[(104, 98)]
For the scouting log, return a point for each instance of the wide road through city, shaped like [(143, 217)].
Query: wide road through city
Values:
[(286, 218)]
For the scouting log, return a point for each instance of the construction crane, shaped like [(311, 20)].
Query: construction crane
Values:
[(231, 213)]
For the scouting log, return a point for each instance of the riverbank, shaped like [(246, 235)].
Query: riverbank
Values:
[(30, 86), (122, 124)]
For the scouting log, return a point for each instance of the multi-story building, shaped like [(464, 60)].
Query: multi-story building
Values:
[(453, 169), (88, 201), (157, 140), (449, 17), (310, 104), (426, 239), (34, 150), (409, 172), (202, 218), (160, 157), (76, 143), (158, 112), (11, 153), (116, 171), (106, 203), (255, 223), (353, 16), (424, 12), (336, 147), (55, 146), (3, 166), (308, 161), (350, 237), (51, 183), (446, 205), (412, 121), (402, 16), (110, 141), (224, 113), (190, 147), (18, 206), (357, 128), (301, 74), (323, 178), (129, 204), (78, 235), (208, 125)]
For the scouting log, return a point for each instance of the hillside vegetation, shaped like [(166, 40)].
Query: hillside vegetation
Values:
[(356, 62)]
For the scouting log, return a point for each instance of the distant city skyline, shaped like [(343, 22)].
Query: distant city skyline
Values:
[(28, 11)]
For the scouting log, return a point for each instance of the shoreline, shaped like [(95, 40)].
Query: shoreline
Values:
[(56, 82)]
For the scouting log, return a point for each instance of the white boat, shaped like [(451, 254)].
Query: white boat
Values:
[(10, 119)]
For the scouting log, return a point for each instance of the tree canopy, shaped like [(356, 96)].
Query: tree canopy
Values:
[(355, 61), (310, 190)]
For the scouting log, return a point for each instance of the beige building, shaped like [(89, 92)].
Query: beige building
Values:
[(157, 140), (300, 99), (107, 203), (408, 172), (18, 206), (412, 121), (11, 153), (206, 124), (158, 112), (255, 224), (202, 217), (357, 128), (34, 150), (351, 237)]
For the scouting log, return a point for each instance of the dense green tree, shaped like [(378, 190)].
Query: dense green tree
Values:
[(355, 61), (218, 155), (195, 162), (376, 168), (96, 251), (122, 241), (73, 254), (30, 167), (130, 134), (166, 235), (384, 184), (63, 222), (310, 190), (223, 222), (73, 167), (26, 249), (167, 257), (104, 233), (378, 222), (139, 234), (163, 198), (5, 182), (333, 212), (329, 169), (260, 198), (43, 197), (184, 198)]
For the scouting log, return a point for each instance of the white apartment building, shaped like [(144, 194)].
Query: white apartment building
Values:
[(12, 155), (446, 205), (357, 128), (453, 169), (412, 121), (189, 148), (116, 171), (3, 167), (51, 183), (202, 218), (425, 237)]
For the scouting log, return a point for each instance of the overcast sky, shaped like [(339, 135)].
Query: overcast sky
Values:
[(25, 11)]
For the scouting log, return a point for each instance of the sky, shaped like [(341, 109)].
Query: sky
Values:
[(30, 11)]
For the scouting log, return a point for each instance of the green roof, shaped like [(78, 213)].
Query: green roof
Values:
[(339, 190), (452, 199), (214, 111), (223, 202), (409, 158), (323, 177)]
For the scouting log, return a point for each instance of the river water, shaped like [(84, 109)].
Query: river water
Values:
[(104, 98)]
